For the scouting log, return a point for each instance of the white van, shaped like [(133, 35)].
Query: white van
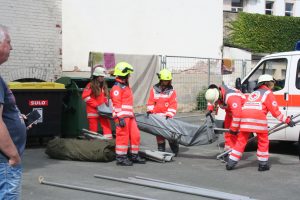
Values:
[(285, 68)]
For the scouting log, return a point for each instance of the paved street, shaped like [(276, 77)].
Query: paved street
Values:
[(194, 166)]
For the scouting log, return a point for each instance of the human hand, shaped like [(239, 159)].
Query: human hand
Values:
[(148, 113), (122, 122), (233, 132), (290, 122), (25, 118), (14, 160), (208, 113), (107, 102)]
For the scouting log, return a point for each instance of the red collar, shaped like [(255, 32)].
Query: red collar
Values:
[(120, 80), (264, 87)]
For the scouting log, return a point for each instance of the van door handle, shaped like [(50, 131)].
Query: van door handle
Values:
[(286, 96)]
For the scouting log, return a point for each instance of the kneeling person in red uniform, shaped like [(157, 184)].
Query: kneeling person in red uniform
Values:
[(94, 94), (231, 100), (162, 101), (254, 120), (126, 126)]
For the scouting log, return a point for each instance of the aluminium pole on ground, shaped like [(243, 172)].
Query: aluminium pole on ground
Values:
[(74, 187)]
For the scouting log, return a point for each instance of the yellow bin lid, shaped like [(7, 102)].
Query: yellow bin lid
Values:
[(35, 85)]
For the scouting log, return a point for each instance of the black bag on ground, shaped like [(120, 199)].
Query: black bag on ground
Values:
[(184, 133), (81, 149)]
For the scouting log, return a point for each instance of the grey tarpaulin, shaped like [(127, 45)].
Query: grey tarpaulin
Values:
[(186, 134), (144, 75), (105, 110)]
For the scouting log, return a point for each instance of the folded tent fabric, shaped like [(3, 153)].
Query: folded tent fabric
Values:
[(172, 129), (81, 150)]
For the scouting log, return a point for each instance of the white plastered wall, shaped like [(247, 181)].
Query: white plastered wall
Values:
[(147, 27)]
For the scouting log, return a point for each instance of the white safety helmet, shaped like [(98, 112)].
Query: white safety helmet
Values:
[(212, 95), (265, 78), (99, 71)]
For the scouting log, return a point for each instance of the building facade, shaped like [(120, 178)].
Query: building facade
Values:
[(268, 7), (35, 29), (141, 27)]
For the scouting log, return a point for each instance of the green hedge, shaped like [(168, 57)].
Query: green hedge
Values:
[(264, 33), (201, 101)]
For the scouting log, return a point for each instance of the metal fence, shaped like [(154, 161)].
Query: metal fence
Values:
[(192, 75)]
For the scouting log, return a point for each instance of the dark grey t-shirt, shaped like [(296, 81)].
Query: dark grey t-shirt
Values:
[(12, 119)]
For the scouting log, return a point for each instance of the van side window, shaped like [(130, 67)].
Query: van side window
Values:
[(298, 75), (274, 67)]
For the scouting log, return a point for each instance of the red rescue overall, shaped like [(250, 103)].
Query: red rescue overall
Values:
[(254, 119), (232, 101), (163, 103), (91, 109), (122, 99)]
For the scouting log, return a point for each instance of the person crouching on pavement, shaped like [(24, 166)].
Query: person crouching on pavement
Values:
[(95, 94), (254, 120), (162, 101), (231, 100), (126, 126)]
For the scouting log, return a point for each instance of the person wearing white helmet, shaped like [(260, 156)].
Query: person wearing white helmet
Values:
[(231, 100), (254, 120), (94, 94)]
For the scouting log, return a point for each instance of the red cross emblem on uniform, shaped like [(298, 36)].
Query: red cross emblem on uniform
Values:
[(254, 95)]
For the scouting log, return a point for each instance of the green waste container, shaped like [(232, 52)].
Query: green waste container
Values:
[(74, 113), (74, 117), (46, 97)]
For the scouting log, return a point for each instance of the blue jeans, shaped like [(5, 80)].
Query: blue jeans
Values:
[(10, 182)]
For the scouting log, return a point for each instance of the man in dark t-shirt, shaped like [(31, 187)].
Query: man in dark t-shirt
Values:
[(12, 132)]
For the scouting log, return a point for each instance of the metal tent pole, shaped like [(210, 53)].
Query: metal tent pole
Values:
[(161, 181), (274, 129), (187, 190), (42, 181)]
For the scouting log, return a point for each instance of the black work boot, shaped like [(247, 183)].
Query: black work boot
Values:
[(263, 166), (135, 158), (174, 147), (225, 158), (231, 164), (123, 160), (161, 147)]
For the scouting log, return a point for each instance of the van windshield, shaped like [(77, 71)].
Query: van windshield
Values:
[(274, 67)]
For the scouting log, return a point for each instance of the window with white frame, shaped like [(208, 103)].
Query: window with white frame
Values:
[(236, 5), (289, 7), (269, 7)]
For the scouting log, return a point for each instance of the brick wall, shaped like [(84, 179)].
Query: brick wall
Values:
[(35, 29)]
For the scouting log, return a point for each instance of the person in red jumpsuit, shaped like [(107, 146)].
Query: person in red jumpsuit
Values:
[(254, 120), (94, 94), (162, 101), (231, 100), (126, 126)]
